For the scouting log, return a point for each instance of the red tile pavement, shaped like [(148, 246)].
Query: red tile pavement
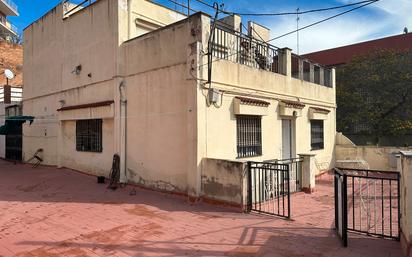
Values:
[(57, 212)]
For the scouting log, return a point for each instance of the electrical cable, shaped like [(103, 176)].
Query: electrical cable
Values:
[(289, 13), (302, 28)]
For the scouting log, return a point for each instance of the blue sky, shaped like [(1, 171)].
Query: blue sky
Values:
[(384, 18)]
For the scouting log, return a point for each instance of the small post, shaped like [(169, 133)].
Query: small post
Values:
[(308, 173), (285, 61), (249, 186)]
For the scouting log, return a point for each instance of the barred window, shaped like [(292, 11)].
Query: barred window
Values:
[(89, 136), (249, 135), (316, 129)]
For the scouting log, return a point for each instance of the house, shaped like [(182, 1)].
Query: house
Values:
[(360, 132), (335, 57), (7, 30), (134, 78), (11, 58)]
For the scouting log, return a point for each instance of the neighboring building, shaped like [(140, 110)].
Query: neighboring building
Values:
[(7, 30), (11, 57), (341, 55), (130, 77), (359, 133)]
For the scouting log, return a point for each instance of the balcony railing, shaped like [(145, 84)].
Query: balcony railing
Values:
[(240, 48), (10, 94), (307, 70), (234, 46), (11, 4)]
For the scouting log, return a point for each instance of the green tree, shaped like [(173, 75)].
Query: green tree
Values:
[(374, 92)]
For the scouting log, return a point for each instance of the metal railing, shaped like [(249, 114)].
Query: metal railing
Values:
[(11, 94), (295, 172), (370, 202), (240, 48), (237, 47), (269, 188)]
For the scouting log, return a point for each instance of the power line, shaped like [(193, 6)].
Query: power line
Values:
[(302, 28), (288, 13), (304, 12), (323, 20)]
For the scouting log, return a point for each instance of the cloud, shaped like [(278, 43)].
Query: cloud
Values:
[(384, 18)]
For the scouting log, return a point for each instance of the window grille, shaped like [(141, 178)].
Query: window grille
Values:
[(89, 135), (316, 129), (249, 135)]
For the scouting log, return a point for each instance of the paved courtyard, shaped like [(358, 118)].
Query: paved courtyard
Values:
[(58, 212)]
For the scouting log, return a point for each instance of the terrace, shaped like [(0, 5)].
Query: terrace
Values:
[(235, 46)]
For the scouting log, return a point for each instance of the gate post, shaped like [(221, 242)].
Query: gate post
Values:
[(308, 172), (249, 187)]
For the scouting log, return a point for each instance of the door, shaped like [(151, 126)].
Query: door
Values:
[(287, 147), (288, 153)]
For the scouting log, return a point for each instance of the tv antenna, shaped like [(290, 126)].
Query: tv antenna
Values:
[(297, 29)]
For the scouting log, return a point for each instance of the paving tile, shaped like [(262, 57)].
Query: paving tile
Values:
[(58, 212)]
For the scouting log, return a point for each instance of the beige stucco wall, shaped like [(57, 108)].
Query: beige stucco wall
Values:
[(170, 128), (53, 48), (161, 109), (217, 126), (405, 167), (376, 158), (224, 181)]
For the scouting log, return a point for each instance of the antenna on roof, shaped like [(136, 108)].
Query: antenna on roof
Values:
[(297, 30)]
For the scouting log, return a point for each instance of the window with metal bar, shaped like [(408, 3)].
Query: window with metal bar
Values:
[(316, 130), (249, 135), (89, 135)]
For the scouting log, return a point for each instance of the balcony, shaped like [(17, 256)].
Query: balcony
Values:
[(7, 29), (8, 8), (234, 46), (10, 94)]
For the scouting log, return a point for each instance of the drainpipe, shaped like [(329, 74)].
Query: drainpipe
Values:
[(123, 112)]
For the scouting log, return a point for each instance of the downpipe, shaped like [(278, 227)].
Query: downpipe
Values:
[(123, 115)]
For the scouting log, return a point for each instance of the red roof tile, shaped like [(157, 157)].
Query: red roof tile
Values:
[(252, 101), (342, 55)]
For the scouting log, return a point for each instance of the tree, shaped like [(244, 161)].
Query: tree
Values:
[(374, 94)]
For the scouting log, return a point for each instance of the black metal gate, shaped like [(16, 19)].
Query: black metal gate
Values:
[(269, 188), (14, 143), (367, 202)]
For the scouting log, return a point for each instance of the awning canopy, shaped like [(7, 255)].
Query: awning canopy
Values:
[(13, 122)]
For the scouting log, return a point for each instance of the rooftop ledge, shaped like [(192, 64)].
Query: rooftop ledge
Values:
[(237, 47), (8, 7)]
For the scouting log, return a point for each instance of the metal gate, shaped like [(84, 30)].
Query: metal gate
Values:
[(367, 202), (269, 188)]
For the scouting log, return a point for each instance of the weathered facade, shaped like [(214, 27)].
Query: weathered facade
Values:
[(139, 72)]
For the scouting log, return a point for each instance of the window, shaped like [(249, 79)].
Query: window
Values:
[(249, 136), (89, 135), (316, 130)]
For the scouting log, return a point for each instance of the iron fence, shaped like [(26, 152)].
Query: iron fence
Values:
[(269, 188), (240, 48), (372, 202), (295, 172)]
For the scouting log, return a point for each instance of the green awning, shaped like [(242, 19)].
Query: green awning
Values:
[(14, 121)]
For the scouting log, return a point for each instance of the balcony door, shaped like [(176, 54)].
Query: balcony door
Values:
[(288, 146)]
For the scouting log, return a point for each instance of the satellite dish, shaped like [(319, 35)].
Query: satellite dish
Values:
[(9, 74)]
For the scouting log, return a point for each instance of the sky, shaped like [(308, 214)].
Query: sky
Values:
[(380, 19)]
